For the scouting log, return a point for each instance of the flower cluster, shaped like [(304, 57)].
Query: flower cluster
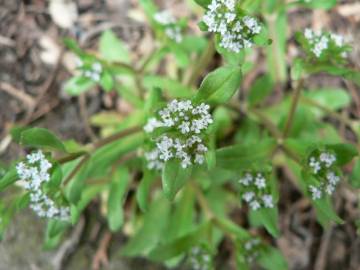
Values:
[(92, 72), (255, 191), (322, 165), (236, 31), (252, 247), (200, 259), (322, 41), (33, 173), (172, 30), (186, 124)]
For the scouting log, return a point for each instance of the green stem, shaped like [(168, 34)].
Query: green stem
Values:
[(70, 157), (76, 169), (95, 146), (115, 137), (201, 64), (294, 105)]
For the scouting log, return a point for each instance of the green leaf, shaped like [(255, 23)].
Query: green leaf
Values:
[(87, 195), (354, 178), (56, 176), (203, 3), (149, 7), (182, 218), (260, 89), (9, 178), (153, 99), (219, 85), (232, 228), (151, 231), (16, 133), (118, 187), (76, 185), (271, 258), (331, 98), (320, 4), (54, 231), (344, 152), (72, 45), (113, 49), (174, 178), (167, 251), (106, 155), (77, 85), (143, 190), (267, 217), (106, 81), (42, 138), (55, 227), (240, 156), (326, 212)]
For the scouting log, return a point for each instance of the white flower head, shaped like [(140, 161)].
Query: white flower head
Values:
[(188, 123), (256, 191), (316, 192), (260, 181), (268, 200), (320, 41), (172, 30), (315, 165), (236, 32), (254, 205), (248, 196), (33, 173), (94, 72)]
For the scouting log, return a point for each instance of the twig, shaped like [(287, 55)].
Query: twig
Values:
[(68, 246), (45, 87), (355, 94), (101, 257), (20, 95)]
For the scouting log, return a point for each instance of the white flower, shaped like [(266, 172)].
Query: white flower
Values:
[(315, 192), (248, 196), (152, 124), (308, 34), (268, 201), (332, 178), (246, 180), (254, 205), (33, 175), (221, 18), (320, 41), (338, 39), (327, 158), (164, 17), (96, 67), (260, 181), (172, 30), (315, 165), (94, 73), (189, 121)]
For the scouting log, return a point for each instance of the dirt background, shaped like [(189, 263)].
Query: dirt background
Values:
[(33, 68)]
